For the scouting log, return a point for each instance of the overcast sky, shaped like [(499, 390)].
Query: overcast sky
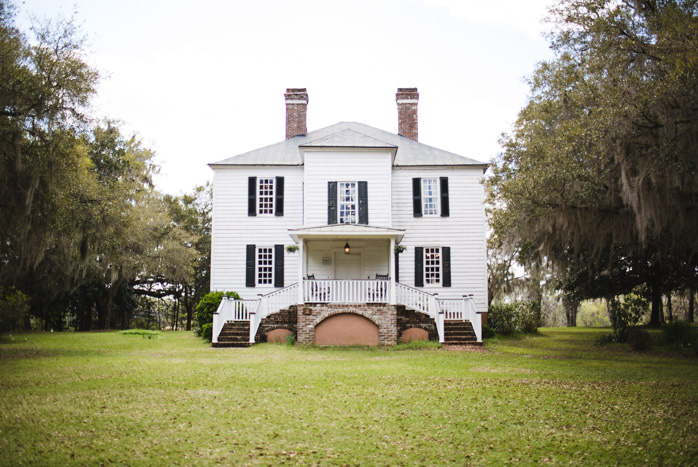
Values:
[(202, 81)]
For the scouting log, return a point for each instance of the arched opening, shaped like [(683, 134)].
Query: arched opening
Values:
[(346, 329), (414, 334), (278, 335)]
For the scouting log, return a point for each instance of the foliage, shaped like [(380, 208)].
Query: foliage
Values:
[(507, 318), (593, 314), (207, 331), (599, 175), (291, 340), (639, 339), (553, 396), (626, 313), (487, 332), (14, 306), (680, 334), (292, 248), (209, 304), (83, 232), (141, 332)]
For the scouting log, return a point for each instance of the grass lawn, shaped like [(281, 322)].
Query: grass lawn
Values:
[(108, 398)]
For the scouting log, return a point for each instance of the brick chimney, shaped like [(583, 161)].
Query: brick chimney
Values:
[(407, 99), (296, 110)]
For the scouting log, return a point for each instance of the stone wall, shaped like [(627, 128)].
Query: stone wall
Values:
[(384, 316), (285, 319)]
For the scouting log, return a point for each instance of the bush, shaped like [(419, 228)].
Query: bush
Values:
[(639, 339), (487, 332), (291, 340), (627, 313), (679, 334), (208, 305), (508, 318), (141, 332), (14, 305), (207, 331)]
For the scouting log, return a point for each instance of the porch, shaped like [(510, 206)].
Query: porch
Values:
[(344, 296)]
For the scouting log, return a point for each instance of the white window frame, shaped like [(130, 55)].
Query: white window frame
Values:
[(270, 205), (340, 197), (258, 267), (436, 196), (438, 268)]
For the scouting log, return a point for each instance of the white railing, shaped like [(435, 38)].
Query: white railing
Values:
[(231, 310), (346, 291), (423, 302), (271, 303), (462, 309)]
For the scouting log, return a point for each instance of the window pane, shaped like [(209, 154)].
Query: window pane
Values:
[(347, 202), (265, 263), (266, 196), (430, 196), (432, 265)]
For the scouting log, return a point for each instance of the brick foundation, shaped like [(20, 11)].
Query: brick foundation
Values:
[(384, 316), (285, 319), (407, 319)]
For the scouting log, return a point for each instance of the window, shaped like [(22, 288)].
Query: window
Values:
[(265, 265), (432, 266), (266, 196), (430, 196), (347, 202)]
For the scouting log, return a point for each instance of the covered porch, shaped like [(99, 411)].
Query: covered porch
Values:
[(347, 264)]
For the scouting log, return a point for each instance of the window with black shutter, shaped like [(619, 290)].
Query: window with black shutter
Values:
[(445, 211), (417, 197), (252, 196), (279, 208), (418, 266), (363, 203), (250, 266), (278, 265), (331, 202)]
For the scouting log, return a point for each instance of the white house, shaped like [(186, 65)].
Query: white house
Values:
[(349, 235)]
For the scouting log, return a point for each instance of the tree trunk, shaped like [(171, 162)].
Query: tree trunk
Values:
[(188, 305), (669, 308), (571, 308), (609, 311), (691, 304), (657, 315)]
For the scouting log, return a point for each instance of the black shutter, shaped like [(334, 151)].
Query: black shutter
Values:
[(278, 265), (363, 203), (419, 266), (252, 196), (417, 197), (249, 263), (331, 202), (397, 266), (446, 266), (444, 197), (279, 209)]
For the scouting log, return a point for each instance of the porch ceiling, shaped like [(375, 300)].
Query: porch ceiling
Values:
[(347, 231)]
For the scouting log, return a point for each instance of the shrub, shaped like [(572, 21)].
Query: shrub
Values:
[(605, 339), (626, 313), (291, 340), (487, 332), (507, 318), (14, 305), (678, 334), (208, 305), (140, 332), (639, 339), (207, 331)]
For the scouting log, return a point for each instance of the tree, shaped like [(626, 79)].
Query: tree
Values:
[(600, 169)]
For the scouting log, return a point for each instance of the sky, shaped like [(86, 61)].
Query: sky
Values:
[(202, 81)]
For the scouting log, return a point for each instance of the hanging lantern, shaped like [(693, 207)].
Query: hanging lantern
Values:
[(347, 249)]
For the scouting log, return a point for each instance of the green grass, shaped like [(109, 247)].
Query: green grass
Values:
[(107, 398)]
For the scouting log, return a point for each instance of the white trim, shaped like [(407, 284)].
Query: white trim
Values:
[(256, 264), (297, 102), (441, 267), (273, 195), (407, 101), (355, 191)]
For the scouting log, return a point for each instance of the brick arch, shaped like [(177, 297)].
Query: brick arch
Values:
[(361, 313), (384, 316)]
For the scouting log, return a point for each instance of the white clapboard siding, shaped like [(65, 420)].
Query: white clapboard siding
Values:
[(347, 166), (232, 229), (463, 231)]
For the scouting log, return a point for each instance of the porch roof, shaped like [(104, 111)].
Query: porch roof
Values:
[(346, 231)]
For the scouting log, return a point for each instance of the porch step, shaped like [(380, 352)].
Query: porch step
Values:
[(234, 334), (459, 333)]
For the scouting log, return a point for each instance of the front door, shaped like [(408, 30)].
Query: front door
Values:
[(347, 266)]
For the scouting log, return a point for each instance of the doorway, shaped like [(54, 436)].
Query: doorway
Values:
[(347, 266)]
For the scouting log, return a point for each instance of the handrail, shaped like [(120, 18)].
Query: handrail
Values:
[(346, 291), (271, 303), (423, 302)]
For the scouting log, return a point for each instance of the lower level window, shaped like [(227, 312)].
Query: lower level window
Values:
[(432, 265), (265, 265)]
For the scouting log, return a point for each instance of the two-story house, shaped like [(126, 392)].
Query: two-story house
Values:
[(349, 235)]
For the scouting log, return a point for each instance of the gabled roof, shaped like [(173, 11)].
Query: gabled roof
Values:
[(350, 135)]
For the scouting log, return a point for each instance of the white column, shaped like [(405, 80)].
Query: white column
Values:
[(391, 258), (301, 266)]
